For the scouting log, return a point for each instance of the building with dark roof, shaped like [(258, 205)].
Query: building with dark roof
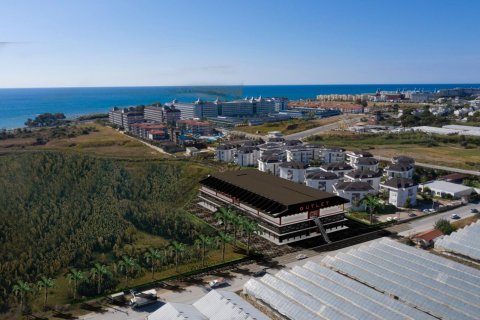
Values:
[(225, 152), (321, 180), (354, 192), (270, 163), (403, 159), (366, 163), (286, 211), (353, 156), (246, 156), (339, 168), (368, 176), (293, 171), (402, 192), (399, 170)]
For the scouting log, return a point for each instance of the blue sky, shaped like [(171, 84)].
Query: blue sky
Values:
[(56, 43)]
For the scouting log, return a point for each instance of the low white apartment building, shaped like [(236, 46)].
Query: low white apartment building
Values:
[(321, 180), (399, 170), (354, 191), (293, 171), (339, 168), (403, 159), (246, 156), (270, 164), (368, 176), (225, 152), (351, 157), (331, 155), (300, 154), (366, 163), (401, 191)]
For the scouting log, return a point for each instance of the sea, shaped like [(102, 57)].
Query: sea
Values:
[(17, 105)]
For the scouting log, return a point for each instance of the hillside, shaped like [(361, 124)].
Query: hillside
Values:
[(63, 210)]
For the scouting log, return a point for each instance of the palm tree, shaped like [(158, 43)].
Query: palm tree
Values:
[(152, 256), (97, 273), (45, 283), (237, 222), (22, 288), (372, 203), (203, 242), (250, 227), (224, 238), (224, 214), (75, 276), (177, 249), (127, 264)]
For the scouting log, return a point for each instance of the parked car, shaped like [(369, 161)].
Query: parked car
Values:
[(219, 282), (141, 299), (301, 256), (260, 273), (411, 214), (474, 210), (455, 216)]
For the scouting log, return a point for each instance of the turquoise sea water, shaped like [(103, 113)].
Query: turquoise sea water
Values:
[(17, 105)]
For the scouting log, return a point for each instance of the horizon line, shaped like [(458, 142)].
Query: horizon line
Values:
[(241, 85)]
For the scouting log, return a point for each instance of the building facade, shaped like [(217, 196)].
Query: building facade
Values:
[(123, 118), (321, 180), (286, 211), (293, 171), (402, 192)]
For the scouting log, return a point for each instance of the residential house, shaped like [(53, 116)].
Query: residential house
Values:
[(368, 176), (354, 191), (402, 192), (293, 171), (321, 180)]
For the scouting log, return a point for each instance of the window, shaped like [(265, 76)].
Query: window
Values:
[(322, 186)]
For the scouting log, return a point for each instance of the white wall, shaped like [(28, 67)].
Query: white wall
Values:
[(295, 175)]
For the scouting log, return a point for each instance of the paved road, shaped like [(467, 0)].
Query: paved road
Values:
[(346, 119), (432, 166), (427, 223)]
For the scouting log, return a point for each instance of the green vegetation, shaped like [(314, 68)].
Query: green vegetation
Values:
[(425, 118), (46, 120), (372, 203), (445, 226), (74, 211), (289, 126)]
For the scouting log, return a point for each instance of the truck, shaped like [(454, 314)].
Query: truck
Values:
[(144, 298)]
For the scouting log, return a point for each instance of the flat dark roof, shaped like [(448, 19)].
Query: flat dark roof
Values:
[(268, 192)]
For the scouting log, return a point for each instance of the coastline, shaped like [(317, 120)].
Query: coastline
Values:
[(19, 104)]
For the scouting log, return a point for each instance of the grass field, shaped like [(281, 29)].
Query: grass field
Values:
[(102, 141), (288, 127), (446, 154)]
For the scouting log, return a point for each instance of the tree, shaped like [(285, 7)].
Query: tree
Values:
[(203, 242), (45, 283), (127, 264), (224, 214), (177, 249), (445, 226), (250, 227), (223, 239), (75, 276), (236, 220), (152, 256), (408, 203), (372, 203), (98, 272), (22, 288)]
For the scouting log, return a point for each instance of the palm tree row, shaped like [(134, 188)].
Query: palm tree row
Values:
[(237, 222)]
